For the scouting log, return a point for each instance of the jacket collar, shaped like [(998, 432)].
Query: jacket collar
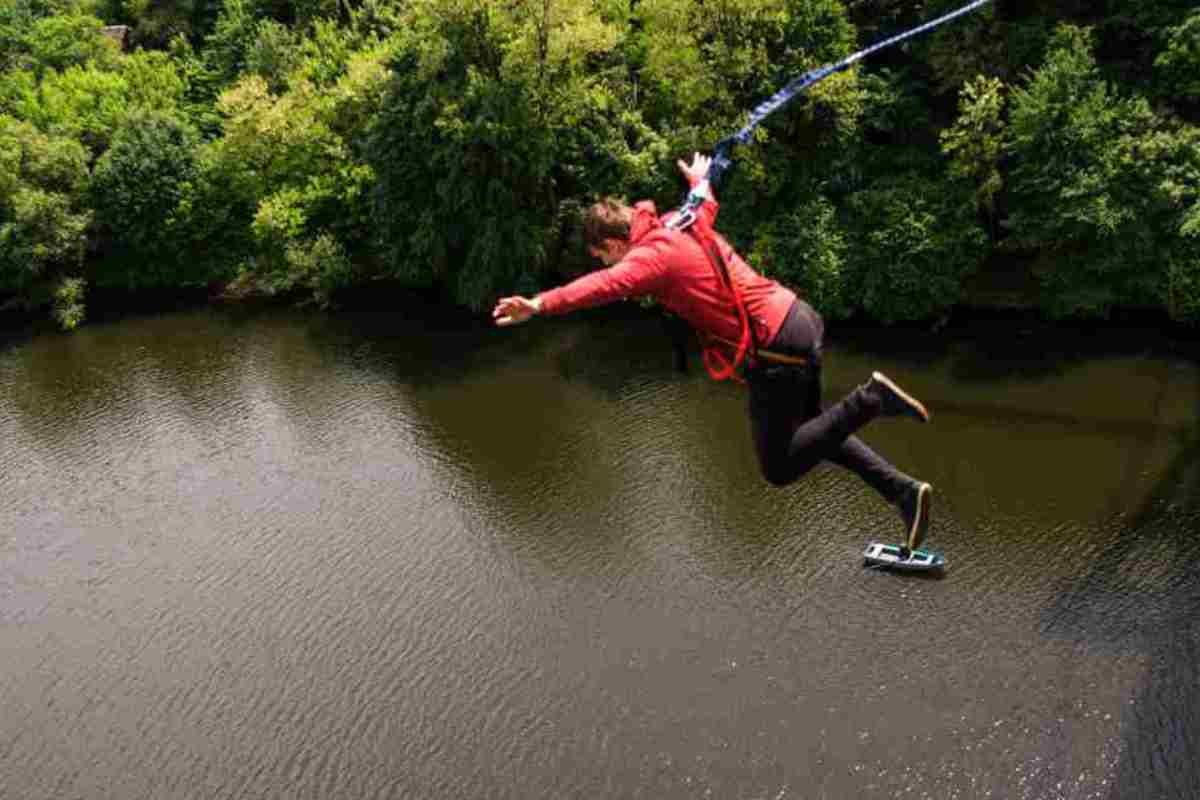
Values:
[(645, 219)]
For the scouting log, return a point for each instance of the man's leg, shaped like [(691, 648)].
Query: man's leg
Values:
[(912, 498), (792, 435)]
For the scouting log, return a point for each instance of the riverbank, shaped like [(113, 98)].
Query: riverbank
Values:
[(1007, 322)]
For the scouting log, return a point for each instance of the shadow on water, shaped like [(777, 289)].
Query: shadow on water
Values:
[(609, 350), (423, 349), (987, 350), (1145, 588)]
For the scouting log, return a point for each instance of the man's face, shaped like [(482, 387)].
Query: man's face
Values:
[(610, 251)]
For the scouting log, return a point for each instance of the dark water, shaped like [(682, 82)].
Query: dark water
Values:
[(363, 557)]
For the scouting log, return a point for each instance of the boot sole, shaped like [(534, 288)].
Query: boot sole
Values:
[(913, 403), (916, 536)]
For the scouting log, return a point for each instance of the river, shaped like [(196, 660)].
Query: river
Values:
[(284, 555)]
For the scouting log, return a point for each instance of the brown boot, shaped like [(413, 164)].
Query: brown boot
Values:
[(894, 401)]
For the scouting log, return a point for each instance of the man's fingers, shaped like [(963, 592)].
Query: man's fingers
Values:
[(511, 310)]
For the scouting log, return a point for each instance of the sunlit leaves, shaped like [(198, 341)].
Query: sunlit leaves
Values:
[(1179, 64), (41, 219), (975, 141)]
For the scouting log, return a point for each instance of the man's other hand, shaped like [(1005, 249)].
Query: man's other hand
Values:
[(697, 170), (511, 310)]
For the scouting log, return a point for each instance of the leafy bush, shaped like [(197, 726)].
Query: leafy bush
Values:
[(83, 103), (807, 249), (707, 64), (137, 189), (1086, 185), (1178, 66), (61, 41), (154, 81), (69, 307), (37, 35), (42, 219), (273, 53), (40, 231), (290, 162), (466, 147), (914, 240), (975, 141), (233, 35)]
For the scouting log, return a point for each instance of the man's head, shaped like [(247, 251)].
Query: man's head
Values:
[(606, 229)]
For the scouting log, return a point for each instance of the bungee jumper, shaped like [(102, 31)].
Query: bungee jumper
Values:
[(754, 329), (645, 255)]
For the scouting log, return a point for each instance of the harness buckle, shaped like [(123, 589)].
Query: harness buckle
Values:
[(682, 220)]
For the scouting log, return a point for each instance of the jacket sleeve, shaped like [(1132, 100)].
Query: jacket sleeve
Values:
[(640, 272)]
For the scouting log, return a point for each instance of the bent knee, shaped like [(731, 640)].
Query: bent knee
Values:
[(780, 475)]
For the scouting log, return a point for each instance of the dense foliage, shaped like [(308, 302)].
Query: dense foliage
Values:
[(307, 146)]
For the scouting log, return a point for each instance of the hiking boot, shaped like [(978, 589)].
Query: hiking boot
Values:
[(894, 401), (914, 507)]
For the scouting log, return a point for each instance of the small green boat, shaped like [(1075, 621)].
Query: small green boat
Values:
[(892, 557)]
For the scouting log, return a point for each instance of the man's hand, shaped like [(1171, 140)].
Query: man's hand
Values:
[(697, 170), (511, 310)]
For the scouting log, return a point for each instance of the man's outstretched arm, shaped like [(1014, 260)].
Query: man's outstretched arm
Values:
[(638, 273), (629, 277)]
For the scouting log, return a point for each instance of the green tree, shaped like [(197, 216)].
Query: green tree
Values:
[(42, 218), (61, 41), (808, 249), (708, 63), (292, 159), (914, 240), (477, 144), (54, 34), (1178, 66), (89, 103), (975, 142), (233, 35), (137, 189), (1083, 201)]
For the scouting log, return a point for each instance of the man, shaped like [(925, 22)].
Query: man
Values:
[(698, 276)]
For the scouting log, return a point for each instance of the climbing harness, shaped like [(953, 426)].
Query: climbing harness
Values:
[(685, 218)]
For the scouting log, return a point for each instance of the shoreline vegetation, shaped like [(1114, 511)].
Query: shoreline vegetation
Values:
[(1031, 159), (1008, 327)]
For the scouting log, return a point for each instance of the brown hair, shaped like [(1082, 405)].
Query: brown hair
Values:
[(607, 219)]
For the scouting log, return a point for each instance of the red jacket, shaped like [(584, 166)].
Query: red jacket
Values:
[(671, 267)]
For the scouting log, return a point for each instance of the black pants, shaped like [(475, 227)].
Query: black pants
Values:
[(792, 433)]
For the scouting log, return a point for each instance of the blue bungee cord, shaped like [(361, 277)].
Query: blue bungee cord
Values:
[(721, 160)]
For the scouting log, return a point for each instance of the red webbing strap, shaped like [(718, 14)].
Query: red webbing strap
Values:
[(719, 367)]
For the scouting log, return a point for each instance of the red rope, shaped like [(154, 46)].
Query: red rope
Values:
[(719, 367)]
